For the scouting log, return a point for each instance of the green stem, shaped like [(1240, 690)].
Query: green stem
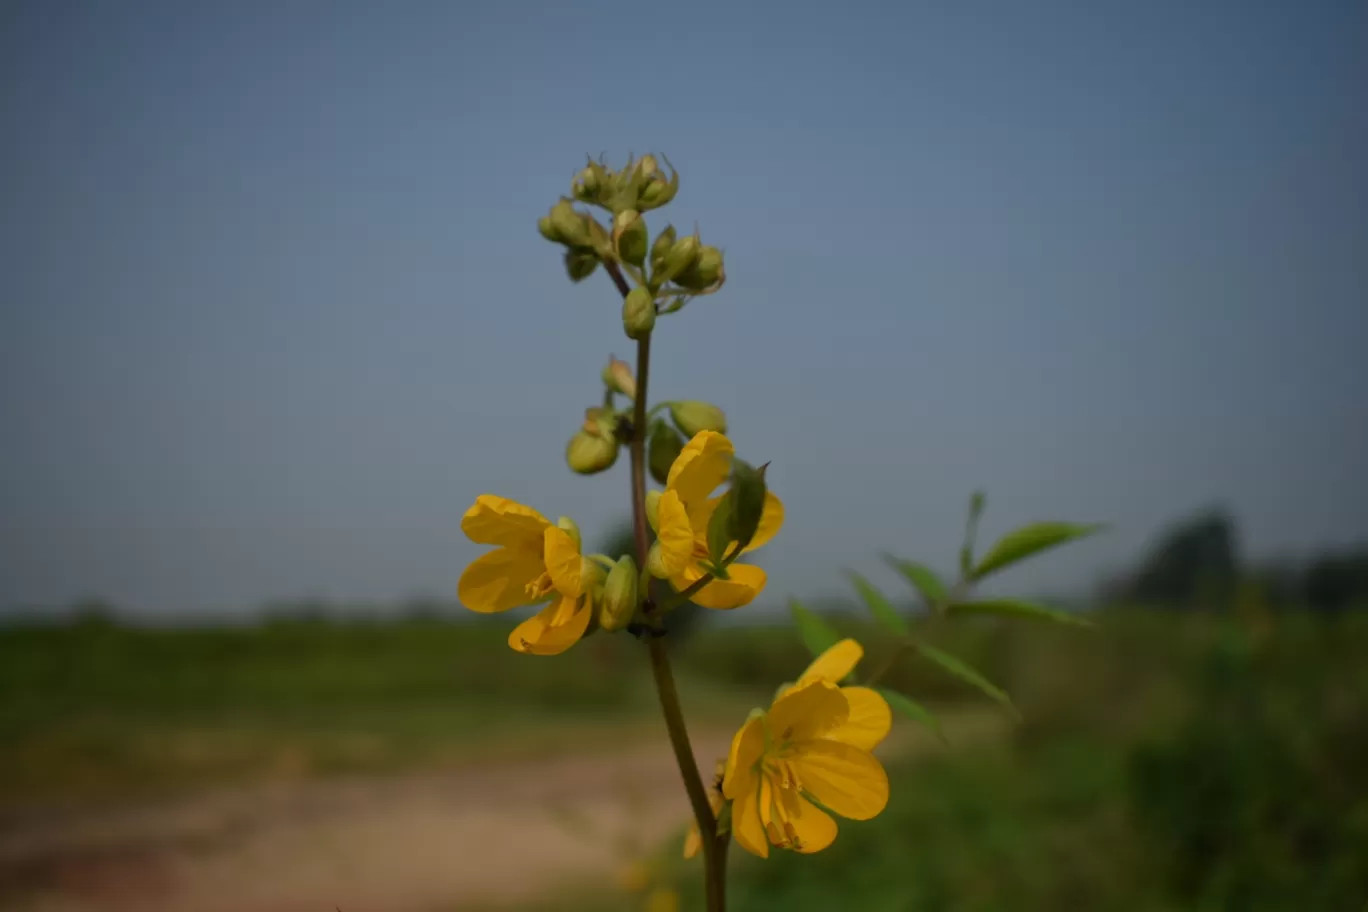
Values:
[(714, 847)]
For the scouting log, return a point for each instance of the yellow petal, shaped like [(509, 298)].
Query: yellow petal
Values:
[(771, 520), (846, 779), (747, 745), (870, 719), (676, 536), (495, 520), (834, 664), (703, 464), (693, 841), (747, 829), (747, 581), (807, 712), (563, 561), (554, 629), (809, 828), (498, 580)]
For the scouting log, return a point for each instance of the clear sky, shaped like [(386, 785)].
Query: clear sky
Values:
[(274, 309)]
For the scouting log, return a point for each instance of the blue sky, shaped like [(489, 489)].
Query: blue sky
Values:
[(274, 310)]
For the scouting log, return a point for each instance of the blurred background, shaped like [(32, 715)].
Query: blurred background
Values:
[(274, 311)]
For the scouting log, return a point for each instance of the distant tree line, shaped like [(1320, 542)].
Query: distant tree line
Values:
[(1196, 564)]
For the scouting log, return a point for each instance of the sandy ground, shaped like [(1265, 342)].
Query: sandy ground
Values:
[(488, 835), (409, 844)]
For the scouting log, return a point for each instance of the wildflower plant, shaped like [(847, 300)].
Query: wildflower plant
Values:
[(807, 759)]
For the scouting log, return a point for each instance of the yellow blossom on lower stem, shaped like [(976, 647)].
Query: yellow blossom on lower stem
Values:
[(693, 841), (808, 750), (680, 518), (536, 561)]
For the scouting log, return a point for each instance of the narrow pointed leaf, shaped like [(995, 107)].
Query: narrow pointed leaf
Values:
[(968, 675), (1015, 608), (914, 711), (922, 578), (817, 635), (1028, 540), (883, 612)]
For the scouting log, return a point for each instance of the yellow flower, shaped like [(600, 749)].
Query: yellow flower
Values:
[(694, 841), (681, 515), (535, 560), (812, 746)]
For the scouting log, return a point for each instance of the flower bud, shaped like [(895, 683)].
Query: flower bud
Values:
[(580, 264), (655, 562), (706, 274), (571, 528), (617, 376), (663, 449), (663, 242), (655, 190), (638, 313), (679, 260), (599, 240), (588, 454), (569, 225), (629, 236), (648, 166), (621, 596), (547, 229), (600, 422), (695, 417), (586, 185)]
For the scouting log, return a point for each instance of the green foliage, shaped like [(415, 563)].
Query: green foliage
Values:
[(1027, 541), (912, 710), (883, 612), (960, 669), (817, 635), (1015, 608), (922, 578)]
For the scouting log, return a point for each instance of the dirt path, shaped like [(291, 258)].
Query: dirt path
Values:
[(493, 834)]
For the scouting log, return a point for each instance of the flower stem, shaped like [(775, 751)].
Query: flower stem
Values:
[(714, 846)]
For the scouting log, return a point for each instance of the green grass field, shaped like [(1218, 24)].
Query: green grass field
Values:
[(1165, 762)]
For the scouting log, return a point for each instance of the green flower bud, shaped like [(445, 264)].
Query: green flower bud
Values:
[(547, 229), (571, 528), (663, 449), (617, 376), (586, 184), (629, 236), (601, 422), (694, 417), (656, 191), (569, 225), (638, 313), (663, 242), (654, 563), (679, 260), (589, 454), (598, 238), (649, 166), (652, 504), (706, 274), (580, 264), (621, 595)]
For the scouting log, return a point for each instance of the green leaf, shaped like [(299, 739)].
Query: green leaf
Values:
[(914, 711), (1028, 540), (968, 675), (885, 613), (922, 578), (1015, 608), (818, 636)]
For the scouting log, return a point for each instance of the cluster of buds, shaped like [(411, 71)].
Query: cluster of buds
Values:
[(668, 272)]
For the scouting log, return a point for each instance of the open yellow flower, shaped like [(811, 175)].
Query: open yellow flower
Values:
[(535, 560), (811, 748), (693, 841), (680, 518)]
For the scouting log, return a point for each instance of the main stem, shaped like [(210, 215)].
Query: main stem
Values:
[(714, 846)]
